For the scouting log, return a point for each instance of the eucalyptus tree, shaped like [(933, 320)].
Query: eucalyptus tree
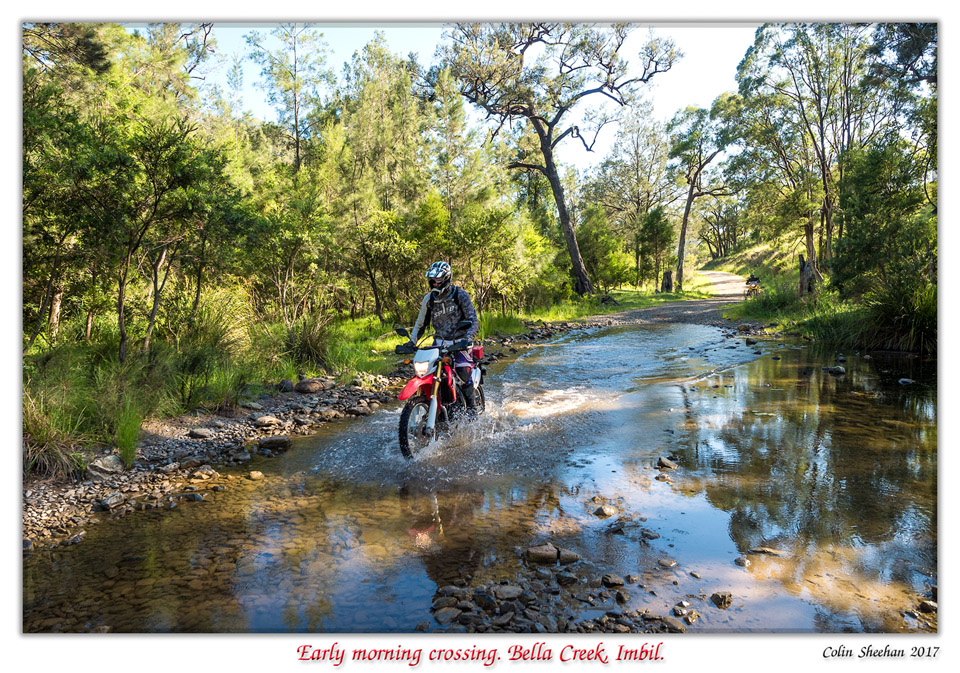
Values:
[(383, 170), (817, 71), (634, 178), (539, 74), (697, 137), (293, 74)]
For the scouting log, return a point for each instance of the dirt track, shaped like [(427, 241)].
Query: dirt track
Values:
[(727, 289)]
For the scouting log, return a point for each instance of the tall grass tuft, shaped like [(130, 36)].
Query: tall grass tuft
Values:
[(52, 441), (127, 430), (903, 316)]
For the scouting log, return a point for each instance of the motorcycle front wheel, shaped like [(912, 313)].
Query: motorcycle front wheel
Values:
[(413, 425)]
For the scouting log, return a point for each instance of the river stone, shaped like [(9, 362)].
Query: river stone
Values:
[(359, 411), (906, 382), (104, 467), (750, 342), (485, 600), (567, 557), (242, 457), (691, 616), (503, 619), (275, 443), (605, 511), (666, 464), (632, 579), (328, 414), (285, 386), (835, 371), (113, 500), (742, 561), (649, 534), (204, 472), (309, 386), (251, 405), (545, 553), (611, 580), (722, 599), (192, 497), (673, 625), (445, 602), (928, 606), (667, 562), (266, 421), (201, 433), (169, 467), (446, 615), (255, 474), (507, 592), (566, 579)]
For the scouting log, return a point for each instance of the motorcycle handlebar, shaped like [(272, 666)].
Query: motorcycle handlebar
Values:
[(409, 348)]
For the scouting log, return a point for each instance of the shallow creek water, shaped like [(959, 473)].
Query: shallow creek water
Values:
[(344, 535)]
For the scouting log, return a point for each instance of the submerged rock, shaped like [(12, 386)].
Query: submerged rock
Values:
[(545, 553), (666, 464), (605, 511), (722, 599), (275, 443), (611, 580), (766, 550)]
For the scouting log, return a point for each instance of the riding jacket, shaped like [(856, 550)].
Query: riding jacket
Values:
[(445, 313)]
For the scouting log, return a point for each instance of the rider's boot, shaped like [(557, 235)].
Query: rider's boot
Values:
[(469, 394)]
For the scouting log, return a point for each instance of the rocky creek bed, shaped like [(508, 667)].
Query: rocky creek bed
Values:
[(193, 458), (177, 457)]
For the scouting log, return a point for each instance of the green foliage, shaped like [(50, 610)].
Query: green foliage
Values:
[(602, 251), (889, 234)]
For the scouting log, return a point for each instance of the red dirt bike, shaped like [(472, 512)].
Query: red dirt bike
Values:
[(433, 395)]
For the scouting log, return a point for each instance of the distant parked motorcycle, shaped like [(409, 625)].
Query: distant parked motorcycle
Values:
[(433, 395)]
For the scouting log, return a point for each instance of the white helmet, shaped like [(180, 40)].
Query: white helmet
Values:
[(439, 276)]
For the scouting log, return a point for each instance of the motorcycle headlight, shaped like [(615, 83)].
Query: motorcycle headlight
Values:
[(420, 368)]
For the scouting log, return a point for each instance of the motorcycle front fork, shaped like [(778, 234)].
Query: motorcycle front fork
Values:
[(434, 404)]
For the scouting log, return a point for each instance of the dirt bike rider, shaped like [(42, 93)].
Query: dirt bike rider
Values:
[(446, 305), (753, 280)]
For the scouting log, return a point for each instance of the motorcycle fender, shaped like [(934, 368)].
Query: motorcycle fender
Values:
[(451, 382), (414, 384)]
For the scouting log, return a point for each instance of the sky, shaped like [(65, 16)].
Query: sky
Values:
[(707, 69)]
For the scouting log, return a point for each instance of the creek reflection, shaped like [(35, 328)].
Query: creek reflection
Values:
[(839, 472)]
